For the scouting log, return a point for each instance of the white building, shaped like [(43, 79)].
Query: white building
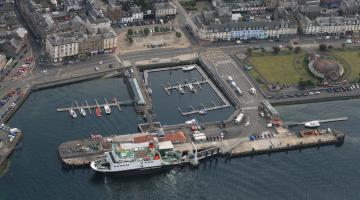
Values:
[(60, 46)]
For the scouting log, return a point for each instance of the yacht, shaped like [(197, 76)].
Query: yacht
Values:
[(73, 113), (188, 68), (202, 112), (97, 111), (82, 112), (107, 109), (312, 124)]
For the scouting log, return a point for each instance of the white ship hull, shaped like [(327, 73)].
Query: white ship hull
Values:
[(312, 124)]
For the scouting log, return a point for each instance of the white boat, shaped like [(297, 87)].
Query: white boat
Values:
[(192, 121), (181, 90), (73, 113), (149, 91), (312, 124), (107, 109), (202, 112), (191, 87), (82, 112), (188, 68)]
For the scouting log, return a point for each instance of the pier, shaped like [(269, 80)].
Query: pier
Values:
[(320, 121), (115, 103)]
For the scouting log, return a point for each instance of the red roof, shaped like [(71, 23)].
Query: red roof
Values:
[(176, 137)]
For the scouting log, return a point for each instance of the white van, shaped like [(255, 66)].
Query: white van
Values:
[(230, 78)]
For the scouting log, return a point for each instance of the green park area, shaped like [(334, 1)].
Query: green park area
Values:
[(350, 58), (283, 69)]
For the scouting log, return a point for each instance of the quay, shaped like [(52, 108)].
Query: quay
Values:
[(8, 144), (286, 143), (320, 121)]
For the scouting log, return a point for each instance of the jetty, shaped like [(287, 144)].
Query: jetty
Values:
[(203, 108), (180, 86), (115, 103)]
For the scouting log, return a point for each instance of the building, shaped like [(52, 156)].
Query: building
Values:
[(61, 46), (164, 9), (333, 25), (73, 5), (350, 7), (213, 27)]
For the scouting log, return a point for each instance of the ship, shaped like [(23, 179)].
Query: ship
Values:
[(188, 68), (135, 159), (312, 124), (202, 111)]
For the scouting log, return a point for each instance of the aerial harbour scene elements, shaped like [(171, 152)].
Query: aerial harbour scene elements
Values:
[(179, 99)]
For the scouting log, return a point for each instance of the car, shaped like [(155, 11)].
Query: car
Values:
[(96, 68), (311, 93), (247, 124), (317, 92), (232, 83), (110, 66), (100, 62)]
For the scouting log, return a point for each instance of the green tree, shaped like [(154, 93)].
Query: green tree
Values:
[(130, 32), (146, 31), (131, 40), (297, 49), (249, 51), (157, 29), (276, 49), (322, 47), (178, 34)]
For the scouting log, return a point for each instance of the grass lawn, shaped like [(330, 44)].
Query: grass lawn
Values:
[(353, 59), (278, 68)]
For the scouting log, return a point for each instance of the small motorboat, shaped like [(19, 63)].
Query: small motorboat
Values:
[(82, 112), (188, 68), (312, 124), (149, 91), (73, 113), (107, 109), (202, 112), (191, 87), (97, 111)]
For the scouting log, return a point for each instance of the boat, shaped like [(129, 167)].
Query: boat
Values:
[(82, 112), (73, 113), (192, 121), (107, 109), (202, 112), (191, 87), (312, 124), (135, 159), (97, 111), (149, 91), (188, 68), (181, 90)]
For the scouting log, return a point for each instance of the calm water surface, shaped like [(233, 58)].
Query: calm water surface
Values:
[(35, 171)]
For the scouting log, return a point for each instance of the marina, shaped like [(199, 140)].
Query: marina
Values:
[(180, 86), (203, 110)]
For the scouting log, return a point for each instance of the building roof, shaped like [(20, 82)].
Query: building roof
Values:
[(165, 145)]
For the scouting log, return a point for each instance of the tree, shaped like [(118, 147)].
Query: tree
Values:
[(249, 51), (131, 40), (130, 32), (146, 31), (276, 49), (297, 49), (290, 48), (178, 34), (157, 29), (322, 47)]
